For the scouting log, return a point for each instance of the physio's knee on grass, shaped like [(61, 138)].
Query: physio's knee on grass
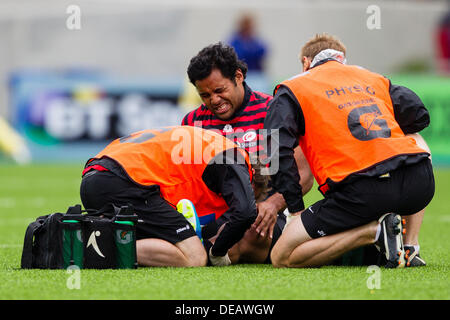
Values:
[(194, 252), (278, 257)]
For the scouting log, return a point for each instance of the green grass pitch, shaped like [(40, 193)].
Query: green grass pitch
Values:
[(27, 192)]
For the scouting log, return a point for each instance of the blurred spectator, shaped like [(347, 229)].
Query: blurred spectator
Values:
[(251, 49), (248, 46), (443, 43)]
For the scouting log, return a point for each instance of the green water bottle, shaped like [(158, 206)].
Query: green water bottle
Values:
[(72, 238), (125, 237)]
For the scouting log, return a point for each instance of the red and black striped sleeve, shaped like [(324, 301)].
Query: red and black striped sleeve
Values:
[(188, 118)]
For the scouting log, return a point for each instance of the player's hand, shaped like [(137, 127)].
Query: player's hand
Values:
[(219, 261), (266, 219), (267, 215)]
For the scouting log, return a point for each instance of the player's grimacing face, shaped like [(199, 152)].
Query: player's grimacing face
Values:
[(221, 95)]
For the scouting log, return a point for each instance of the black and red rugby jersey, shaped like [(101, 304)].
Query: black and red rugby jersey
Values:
[(244, 127)]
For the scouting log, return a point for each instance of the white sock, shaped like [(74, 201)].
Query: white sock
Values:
[(377, 235)]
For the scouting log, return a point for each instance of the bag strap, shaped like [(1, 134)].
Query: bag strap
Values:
[(27, 253), (75, 212), (108, 210)]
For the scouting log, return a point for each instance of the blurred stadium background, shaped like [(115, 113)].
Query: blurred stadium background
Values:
[(68, 89)]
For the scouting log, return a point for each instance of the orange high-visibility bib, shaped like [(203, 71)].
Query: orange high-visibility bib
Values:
[(349, 121), (174, 158)]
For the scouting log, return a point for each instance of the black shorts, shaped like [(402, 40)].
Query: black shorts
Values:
[(158, 219), (405, 191), (277, 231)]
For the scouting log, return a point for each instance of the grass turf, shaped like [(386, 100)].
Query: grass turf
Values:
[(30, 191)]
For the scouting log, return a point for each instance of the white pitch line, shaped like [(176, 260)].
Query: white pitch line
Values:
[(36, 202), (7, 202), (16, 221), (7, 246), (445, 218)]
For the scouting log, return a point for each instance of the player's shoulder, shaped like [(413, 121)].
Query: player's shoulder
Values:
[(197, 114), (258, 95), (259, 100)]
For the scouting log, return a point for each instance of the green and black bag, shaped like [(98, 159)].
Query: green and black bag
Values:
[(103, 239)]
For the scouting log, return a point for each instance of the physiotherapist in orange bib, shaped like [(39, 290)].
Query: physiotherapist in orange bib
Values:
[(155, 169), (358, 133)]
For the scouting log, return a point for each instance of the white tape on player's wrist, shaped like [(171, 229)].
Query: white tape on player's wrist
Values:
[(219, 261)]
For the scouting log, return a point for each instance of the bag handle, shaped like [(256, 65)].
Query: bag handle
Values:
[(108, 210), (75, 212), (27, 253)]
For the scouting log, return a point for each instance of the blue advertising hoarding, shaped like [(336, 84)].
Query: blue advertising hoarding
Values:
[(71, 115)]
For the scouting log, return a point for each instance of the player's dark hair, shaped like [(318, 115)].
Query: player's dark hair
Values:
[(215, 56)]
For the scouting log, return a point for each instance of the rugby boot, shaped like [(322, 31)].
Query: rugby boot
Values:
[(390, 240), (413, 258)]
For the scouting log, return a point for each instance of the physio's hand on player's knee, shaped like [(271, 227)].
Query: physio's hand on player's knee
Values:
[(266, 219)]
